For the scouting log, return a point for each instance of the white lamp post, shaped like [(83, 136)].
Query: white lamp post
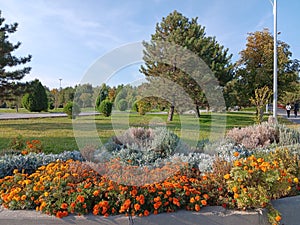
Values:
[(275, 93)]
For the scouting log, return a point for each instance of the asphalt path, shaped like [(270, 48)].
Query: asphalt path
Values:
[(11, 116), (292, 118), (6, 116)]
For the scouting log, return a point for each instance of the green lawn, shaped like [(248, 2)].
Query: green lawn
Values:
[(56, 134)]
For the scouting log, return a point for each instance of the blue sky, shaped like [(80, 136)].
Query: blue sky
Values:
[(65, 37)]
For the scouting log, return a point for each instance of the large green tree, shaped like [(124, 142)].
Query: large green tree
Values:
[(8, 75), (178, 30), (254, 69)]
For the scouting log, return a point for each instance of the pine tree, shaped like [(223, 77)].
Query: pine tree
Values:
[(9, 76), (188, 34)]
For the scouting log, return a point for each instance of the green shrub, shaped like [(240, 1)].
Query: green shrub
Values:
[(122, 105), (143, 107), (36, 100), (135, 107), (17, 143), (105, 108), (72, 110)]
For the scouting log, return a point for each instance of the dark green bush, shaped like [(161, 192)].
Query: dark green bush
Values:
[(122, 105), (72, 110), (36, 99), (105, 108)]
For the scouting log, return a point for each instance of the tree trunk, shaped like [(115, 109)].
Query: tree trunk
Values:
[(171, 113), (197, 111)]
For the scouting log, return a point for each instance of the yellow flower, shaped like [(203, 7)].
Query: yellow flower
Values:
[(260, 160), (236, 195), (296, 180), (23, 197), (227, 176), (46, 194)]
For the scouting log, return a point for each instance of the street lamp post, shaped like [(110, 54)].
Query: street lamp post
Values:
[(60, 83), (275, 92)]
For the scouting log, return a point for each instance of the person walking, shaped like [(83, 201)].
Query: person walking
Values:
[(296, 108), (288, 109)]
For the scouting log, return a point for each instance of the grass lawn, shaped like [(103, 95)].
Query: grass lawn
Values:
[(56, 134)]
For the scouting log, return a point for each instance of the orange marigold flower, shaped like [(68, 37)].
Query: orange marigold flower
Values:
[(157, 205), (278, 218), (236, 195), (168, 192), (197, 198), (95, 211), (64, 206), (157, 199), (96, 193), (205, 196), (59, 214), (133, 192), (146, 213), (237, 163), (137, 207), (192, 200), (86, 186), (176, 202), (203, 202), (236, 154), (80, 198), (65, 213), (197, 207), (142, 201), (234, 189)]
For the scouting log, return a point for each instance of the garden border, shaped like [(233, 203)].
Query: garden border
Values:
[(211, 215)]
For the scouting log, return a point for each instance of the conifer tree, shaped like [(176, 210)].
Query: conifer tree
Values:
[(181, 31), (8, 75)]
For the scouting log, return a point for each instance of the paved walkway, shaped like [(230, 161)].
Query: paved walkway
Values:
[(6, 116), (282, 112)]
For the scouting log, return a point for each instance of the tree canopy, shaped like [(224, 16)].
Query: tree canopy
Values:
[(255, 67), (8, 75), (178, 30)]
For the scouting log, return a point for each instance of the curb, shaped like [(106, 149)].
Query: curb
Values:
[(211, 215)]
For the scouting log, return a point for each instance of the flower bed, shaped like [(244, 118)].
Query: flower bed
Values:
[(238, 179)]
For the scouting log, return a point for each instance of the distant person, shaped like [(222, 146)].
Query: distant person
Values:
[(288, 109), (296, 108)]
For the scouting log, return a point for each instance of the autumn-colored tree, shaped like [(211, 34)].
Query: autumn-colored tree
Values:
[(255, 67)]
